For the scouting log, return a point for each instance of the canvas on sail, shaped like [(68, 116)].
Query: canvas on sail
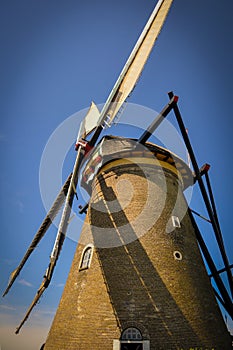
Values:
[(89, 122), (136, 61)]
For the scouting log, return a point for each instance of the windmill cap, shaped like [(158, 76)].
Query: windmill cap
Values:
[(113, 151)]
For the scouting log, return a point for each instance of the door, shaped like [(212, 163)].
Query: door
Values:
[(132, 346)]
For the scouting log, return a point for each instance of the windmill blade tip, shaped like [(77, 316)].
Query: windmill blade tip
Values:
[(5, 292)]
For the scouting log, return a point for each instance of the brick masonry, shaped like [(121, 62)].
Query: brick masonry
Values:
[(144, 273)]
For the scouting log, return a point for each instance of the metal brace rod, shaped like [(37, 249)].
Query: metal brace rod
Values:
[(222, 270), (227, 303), (212, 199), (158, 120), (204, 193)]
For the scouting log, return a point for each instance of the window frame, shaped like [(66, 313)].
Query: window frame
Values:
[(176, 221), (131, 329), (87, 264), (117, 343)]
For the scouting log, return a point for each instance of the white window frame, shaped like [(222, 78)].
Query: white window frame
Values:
[(117, 343), (175, 221), (87, 266), (130, 331)]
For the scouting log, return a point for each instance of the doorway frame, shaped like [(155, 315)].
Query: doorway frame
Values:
[(117, 343)]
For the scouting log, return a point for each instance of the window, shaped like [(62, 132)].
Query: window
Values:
[(131, 339), (131, 334), (175, 221), (177, 255), (86, 258)]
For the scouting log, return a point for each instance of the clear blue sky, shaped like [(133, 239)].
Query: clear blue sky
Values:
[(58, 56)]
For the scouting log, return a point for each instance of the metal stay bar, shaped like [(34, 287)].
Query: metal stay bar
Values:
[(158, 120), (204, 193), (225, 298), (211, 196)]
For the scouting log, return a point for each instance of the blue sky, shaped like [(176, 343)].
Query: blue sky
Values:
[(58, 56)]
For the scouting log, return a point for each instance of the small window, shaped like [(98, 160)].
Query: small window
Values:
[(177, 255), (86, 258), (131, 334), (175, 221)]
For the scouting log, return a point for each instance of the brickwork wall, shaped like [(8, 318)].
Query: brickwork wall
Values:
[(135, 279)]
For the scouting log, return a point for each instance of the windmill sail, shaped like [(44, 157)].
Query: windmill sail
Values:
[(135, 63), (61, 233), (95, 121), (41, 231), (89, 122)]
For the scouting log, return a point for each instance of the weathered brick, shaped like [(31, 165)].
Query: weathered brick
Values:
[(138, 282)]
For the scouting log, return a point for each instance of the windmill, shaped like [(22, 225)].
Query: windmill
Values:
[(89, 134)]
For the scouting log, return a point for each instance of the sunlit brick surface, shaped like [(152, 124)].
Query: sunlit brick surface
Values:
[(155, 281)]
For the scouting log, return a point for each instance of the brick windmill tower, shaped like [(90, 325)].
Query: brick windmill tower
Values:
[(138, 280)]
